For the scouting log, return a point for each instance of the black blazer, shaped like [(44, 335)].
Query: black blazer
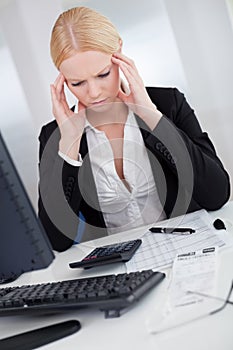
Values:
[(188, 174)]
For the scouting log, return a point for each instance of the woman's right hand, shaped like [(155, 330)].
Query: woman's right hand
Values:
[(71, 124)]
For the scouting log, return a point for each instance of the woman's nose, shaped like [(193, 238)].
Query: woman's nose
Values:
[(94, 90)]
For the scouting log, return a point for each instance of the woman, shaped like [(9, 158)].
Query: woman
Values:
[(125, 156)]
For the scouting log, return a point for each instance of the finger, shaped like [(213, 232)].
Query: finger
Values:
[(55, 101), (130, 72), (58, 109), (131, 76), (57, 80), (65, 105), (124, 58), (63, 99), (124, 61), (60, 84), (120, 62), (53, 93)]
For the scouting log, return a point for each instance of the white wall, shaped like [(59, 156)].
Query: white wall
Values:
[(182, 43), (204, 38), (16, 123), (26, 71)]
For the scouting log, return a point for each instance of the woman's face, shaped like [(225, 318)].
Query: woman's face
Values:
[(92, 78)]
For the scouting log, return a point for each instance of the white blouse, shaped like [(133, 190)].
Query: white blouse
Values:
[(123, 207)]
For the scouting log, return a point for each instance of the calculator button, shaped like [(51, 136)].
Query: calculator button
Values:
[(108, 254)]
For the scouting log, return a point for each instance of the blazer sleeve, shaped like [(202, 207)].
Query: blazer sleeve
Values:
[(59, 196), (189, 154)]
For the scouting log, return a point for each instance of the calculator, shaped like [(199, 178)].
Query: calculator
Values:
[(118, 252)]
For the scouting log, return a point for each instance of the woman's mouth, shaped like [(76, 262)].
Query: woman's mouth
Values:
[(97, 103)]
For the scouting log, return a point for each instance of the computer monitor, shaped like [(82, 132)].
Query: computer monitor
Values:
[(24, 245)]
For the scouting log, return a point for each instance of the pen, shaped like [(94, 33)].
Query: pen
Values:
[(175, 230)]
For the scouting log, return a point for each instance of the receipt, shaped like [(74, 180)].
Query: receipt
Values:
[(191, 290), (193, 277)]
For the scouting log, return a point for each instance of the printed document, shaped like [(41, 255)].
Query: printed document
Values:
[(158, 250), (190, 295), (193, 277)]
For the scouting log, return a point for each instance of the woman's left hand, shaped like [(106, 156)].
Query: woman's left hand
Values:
[(138, 99)]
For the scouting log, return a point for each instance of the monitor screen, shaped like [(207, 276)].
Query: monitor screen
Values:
[(24, 245)]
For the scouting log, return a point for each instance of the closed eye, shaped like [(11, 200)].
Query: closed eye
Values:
[(104, 75), (77, 84)]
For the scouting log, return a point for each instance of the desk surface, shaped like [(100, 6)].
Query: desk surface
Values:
[(132, 329)]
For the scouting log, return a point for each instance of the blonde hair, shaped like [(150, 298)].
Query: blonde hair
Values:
[(82, 29)]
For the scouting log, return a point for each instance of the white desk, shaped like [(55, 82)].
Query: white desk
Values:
[(130, 330)]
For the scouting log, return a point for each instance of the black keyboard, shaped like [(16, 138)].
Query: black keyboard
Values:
[(109, 293)]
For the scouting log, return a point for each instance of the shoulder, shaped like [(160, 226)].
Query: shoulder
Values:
[(167, 99), (47, 130), (162, 94), (160, 91)]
